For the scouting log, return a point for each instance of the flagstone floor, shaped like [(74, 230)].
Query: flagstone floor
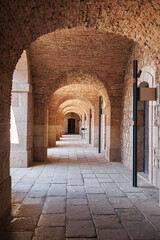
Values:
[(78, 195)]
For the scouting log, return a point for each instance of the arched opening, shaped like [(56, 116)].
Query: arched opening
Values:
[(71, 123), (98, 50), (149, 129), (21, 115), (79, 94)]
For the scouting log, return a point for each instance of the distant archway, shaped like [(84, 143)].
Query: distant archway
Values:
[(71, 123)]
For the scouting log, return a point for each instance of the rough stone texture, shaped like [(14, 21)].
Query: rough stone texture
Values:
[(5, 198), (80, 75), (112, 23), (40, 132), (21, 115), (37, 18), (78, 214), (150, 75), (78, 98), (77, 56)]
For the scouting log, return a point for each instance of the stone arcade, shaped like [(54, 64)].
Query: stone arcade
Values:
[(57, 58)]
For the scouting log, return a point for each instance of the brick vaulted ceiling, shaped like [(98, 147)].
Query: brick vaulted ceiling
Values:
[(95, 52), (23, 21)]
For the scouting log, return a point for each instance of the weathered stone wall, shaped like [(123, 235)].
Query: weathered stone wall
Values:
[(22, 22), (132, 19), (5, 179), (40, 132), (151, 76), (21, 115)]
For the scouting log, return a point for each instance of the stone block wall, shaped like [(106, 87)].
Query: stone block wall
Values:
[(131, 19), (150, 75), (40, 132), (21, 115), (21, 151), (5, 179)]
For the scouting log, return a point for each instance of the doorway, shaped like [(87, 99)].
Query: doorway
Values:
[(71, 125), (143, 134)]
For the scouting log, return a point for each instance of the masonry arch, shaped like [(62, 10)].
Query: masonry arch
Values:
[(69, 126), (147, 129), (110, 16), (21, 115), (77, 90), (65, 105), (36, 19)]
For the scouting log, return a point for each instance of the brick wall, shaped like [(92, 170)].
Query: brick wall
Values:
[(22, 22)]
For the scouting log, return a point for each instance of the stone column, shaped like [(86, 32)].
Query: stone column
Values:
[(52, 129), (5, 179), (87, 125), (58, 128), (61, 125), (113, 141), (103, 131), (95, 127), (40, 140), (21, 127)]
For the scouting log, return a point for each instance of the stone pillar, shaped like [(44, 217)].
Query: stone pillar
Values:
[(113, 142), (21, 127), (40, 140), (103, 132), (5, 179), (51, 129), (95, 127), (84, 132), (58, 128), (87, 125), (61, 125)]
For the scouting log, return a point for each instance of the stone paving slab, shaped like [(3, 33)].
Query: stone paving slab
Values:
[(77, 201), (55, 208), (31, 200), (80, 228), (78, 195), (37, 194), (29, 210), (138, 197), (49, 233), (99, 204), (52, 220), (16, 235), (17, 197), (113, 234), (118, 178), (112, 190), (22, 187), (78, 212), (81, 238), (22, 224), (129, 214), (140, 230), (121, 202), (57, 190), (107, 221)]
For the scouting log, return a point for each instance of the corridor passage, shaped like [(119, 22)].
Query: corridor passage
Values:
[(78, 195)]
